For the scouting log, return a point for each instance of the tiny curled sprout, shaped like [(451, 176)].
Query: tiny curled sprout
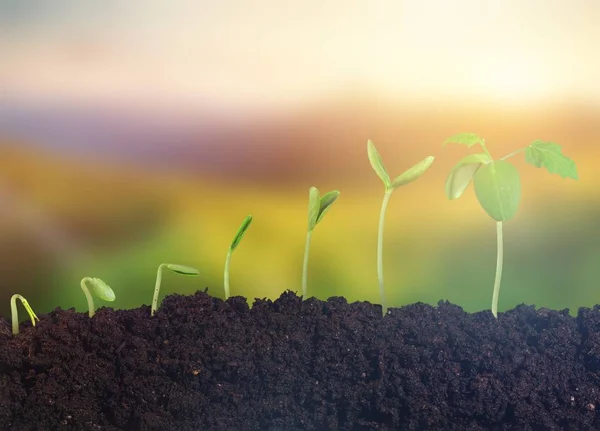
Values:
[(15, 313), (100, 289), (179, 269)]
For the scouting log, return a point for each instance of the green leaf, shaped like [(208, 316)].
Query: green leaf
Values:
[(325, 203), (377, 164), (240, 232), (317, 207), (468, 139), (182, 269), (462, 173), (102, 290), (549, 155), (413, 173), (498, 189)]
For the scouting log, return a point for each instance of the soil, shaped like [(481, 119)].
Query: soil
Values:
[(204, 364)]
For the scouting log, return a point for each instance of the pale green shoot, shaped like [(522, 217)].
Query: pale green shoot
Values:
[(317, 208), (498, 186), (406, 177), (100, 289), (179, 269), (236, 240), (15, 313)]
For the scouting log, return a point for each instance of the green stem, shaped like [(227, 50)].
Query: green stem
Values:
[(88, 297), (512, 154), (226, 274), (384, 204), (485, 149), (498, 278), (305, 265), (156, 289)]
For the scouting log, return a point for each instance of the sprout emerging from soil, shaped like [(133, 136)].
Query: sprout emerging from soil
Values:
[(179, 269), (408, 176), (497, 183), (236, 240), (100, 289), (15, 313), (317, 207)]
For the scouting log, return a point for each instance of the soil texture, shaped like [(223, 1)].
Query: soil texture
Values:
[(202, 363)]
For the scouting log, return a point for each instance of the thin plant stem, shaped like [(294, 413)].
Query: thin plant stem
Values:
[(226, 275), (512, 154), (305, 265), (499, 260), (156, 289), (88, 297), (386, 198)]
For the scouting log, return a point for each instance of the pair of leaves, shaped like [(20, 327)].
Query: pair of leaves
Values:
[(240, 233), (406, 177), (319, 205), (497, 183)]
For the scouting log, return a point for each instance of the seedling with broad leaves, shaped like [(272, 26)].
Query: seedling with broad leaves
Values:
[(236, 240), (406, 177), (317, 208), (498, 185)]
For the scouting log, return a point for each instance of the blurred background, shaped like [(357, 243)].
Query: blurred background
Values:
[(140, 132)]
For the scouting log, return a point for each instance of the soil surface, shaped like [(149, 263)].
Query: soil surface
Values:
[(204, 364)]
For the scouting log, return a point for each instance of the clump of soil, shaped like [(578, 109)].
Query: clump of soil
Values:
[(204, 364)]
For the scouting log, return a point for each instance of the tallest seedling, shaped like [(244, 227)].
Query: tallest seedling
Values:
[(407, 177), (497, 183)]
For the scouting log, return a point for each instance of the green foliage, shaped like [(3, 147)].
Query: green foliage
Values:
[(406, 177), (15, 313), (497, 183), (236, 240), (99, 288), (178, 269), (317, 208)]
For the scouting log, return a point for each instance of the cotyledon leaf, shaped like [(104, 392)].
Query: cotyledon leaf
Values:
[(241, 231), (462, 173), (413, 173), (318, 206), (377, 164), (468, 139), (498, 189)]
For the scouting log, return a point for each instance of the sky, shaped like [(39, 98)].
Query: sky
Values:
[(274, 53)]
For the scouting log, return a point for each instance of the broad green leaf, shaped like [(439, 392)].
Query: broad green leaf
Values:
[(462, 173), (377, 164), (468, 139), (413, 173), (325, 203), (498, 189), (182, 269), (240, 232), (313, 207), (102, 290), (549, 155)]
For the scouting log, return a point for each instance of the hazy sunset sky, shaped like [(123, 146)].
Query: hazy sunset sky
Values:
[(268, 53)]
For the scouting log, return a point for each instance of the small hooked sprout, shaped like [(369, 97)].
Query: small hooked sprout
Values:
[(100, 289), (15, 313), (317, 207), (179, 269), (236, 240), (408, 176)]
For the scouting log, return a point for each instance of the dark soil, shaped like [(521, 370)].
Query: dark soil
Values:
[(204, 364)]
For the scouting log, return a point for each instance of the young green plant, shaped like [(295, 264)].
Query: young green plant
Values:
[(179, 269), (317, 207), (236, 240), (406, 177), (497, 183), (99, 288), (15, 313)]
